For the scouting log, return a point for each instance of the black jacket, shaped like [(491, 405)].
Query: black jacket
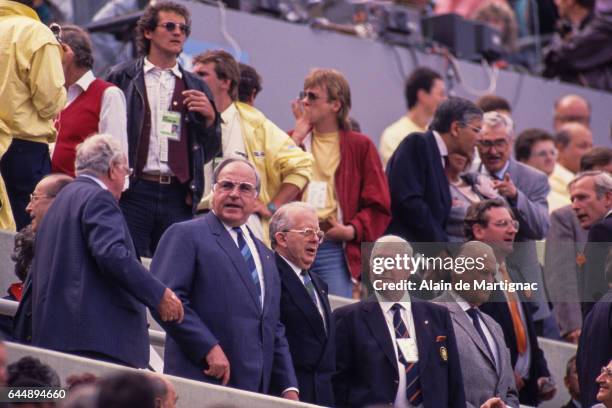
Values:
[(204, 143)]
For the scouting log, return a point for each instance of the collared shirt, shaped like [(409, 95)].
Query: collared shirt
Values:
[(160, 87), (94, 178), (113, 115), (488, 335), (559, 195), (442, 147), (401, 401), (298, 272), (253, 248)]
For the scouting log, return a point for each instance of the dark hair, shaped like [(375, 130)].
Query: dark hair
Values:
[(29, 3), (31, 372), (225, 65), (126, 390), (596, 157), (79, 41), (588, 4), (477, 214), (527, 139), (454, 109), (250, 82), (23, 252), (150, 19), (490, 102), (421, 78)]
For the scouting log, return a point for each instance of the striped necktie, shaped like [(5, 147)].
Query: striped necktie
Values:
[(250, 261), (413, 383), (309, 285)]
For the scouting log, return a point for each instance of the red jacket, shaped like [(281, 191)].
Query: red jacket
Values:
[(363, 194)]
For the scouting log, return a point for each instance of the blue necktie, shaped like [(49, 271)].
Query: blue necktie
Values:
[(413, 383), (473, 313), (309, 285), (250, 261)]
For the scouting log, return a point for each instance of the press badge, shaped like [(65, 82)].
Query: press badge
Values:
[(317, 194), (409, 349), (170, 125)]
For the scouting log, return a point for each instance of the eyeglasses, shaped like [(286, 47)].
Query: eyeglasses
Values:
[(474, 128), (544, 153), (308, 232), (311, 96), (35, 197), (56, 29), (507, 223), (245, 188), (606, 371), (171, 26), (498, 144), (128, 171)]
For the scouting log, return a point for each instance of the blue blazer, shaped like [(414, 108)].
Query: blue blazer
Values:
[(312, 345), (420, 194), (367, 367), (201, 263), (89, 290)]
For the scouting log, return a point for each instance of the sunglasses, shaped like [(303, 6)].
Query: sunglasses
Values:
[(227, 186), (171, 26), (311, 96)]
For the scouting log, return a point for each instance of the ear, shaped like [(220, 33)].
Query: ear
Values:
[(226, 85), (281, 239), (478, 232), (336, 105), (148, 34), (454, 128)]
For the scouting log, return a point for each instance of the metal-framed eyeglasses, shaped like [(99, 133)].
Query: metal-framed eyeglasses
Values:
[(308, 233)]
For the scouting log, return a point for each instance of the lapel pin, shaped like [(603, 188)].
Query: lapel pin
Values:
[(426, 321), (175, 103), (444, 353)]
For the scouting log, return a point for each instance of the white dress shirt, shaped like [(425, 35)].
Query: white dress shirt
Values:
[(113, 113), (160, 88), (401, 401), (442, 147)]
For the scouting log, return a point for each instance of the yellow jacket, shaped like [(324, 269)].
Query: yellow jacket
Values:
[(31, 76)]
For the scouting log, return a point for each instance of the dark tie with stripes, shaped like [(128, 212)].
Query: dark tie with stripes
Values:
[(309, 285), (413, 383), (250, 261)]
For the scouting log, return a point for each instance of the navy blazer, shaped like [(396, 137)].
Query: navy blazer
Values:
[(201, 263), (312, 346), (594, 348), (497, 308), (367, 367), (88, 287), (593, 282), (420, 194)]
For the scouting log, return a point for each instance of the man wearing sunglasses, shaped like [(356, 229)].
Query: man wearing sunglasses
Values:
[(284, 168), (172, 125), (305, 310), (232, 333), (29, 105)]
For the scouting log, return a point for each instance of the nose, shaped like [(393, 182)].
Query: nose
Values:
[(29, 208)]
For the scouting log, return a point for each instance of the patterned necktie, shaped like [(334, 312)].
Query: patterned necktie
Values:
[(250, 261), (309, 285), (413, 383), (513, 305), (473, 313)]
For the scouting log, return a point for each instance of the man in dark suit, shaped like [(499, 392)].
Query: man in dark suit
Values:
[(420, 195), (232, 333), (571, 383), (394, 348), (591, 195), (488, 375), (305, 310), (88, 287), (492, 222)]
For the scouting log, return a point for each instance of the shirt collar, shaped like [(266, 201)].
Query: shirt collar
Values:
[(460, 301), (386, 305), (293, 266), (149, 66), (500, 174), (85, 80), (563, 172), (228, 114), (94, 178), (441, 144)]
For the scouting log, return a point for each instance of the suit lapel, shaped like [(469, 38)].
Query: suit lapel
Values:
[(439, 170), (268, 266), (322, 293), (227, 244), (378, 327)]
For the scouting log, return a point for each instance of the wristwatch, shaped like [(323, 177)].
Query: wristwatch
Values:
[(272, 207)]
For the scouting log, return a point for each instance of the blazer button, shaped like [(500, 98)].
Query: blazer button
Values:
[(193, 187), (196, 148), (396, 381)]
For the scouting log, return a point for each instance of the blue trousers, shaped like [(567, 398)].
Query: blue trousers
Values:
[(330, 264)]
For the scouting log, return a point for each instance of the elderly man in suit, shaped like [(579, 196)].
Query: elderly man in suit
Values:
[(227, 278), (420, 195), (394, 348), (305, 310), (488, 376), (86, 264)]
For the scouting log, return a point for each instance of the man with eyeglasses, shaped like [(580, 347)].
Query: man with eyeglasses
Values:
[(89, 290), (228, 280), (284, 168), (492, 222), (604, 380), (33, 93), (305, 309), (172, 124)]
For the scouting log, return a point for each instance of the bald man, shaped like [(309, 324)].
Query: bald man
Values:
[(571, 108)]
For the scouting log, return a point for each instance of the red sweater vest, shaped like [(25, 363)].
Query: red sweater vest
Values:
[(76, 123)]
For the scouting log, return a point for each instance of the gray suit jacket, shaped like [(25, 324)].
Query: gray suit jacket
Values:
[(565, 239), (481, 378)]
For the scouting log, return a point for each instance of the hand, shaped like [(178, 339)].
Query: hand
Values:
[(493, 403), (520, 383), (291, 395), (196, 101), (340, 232), (218, 364), (546, 388), (506, 187), (262, 210), (170, 308), (302, 122), (573, 336)]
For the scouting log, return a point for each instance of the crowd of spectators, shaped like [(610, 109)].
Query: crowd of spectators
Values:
[(251, 227)]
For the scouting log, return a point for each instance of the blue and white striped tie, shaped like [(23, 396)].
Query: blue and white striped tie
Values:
[(250, 261)]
